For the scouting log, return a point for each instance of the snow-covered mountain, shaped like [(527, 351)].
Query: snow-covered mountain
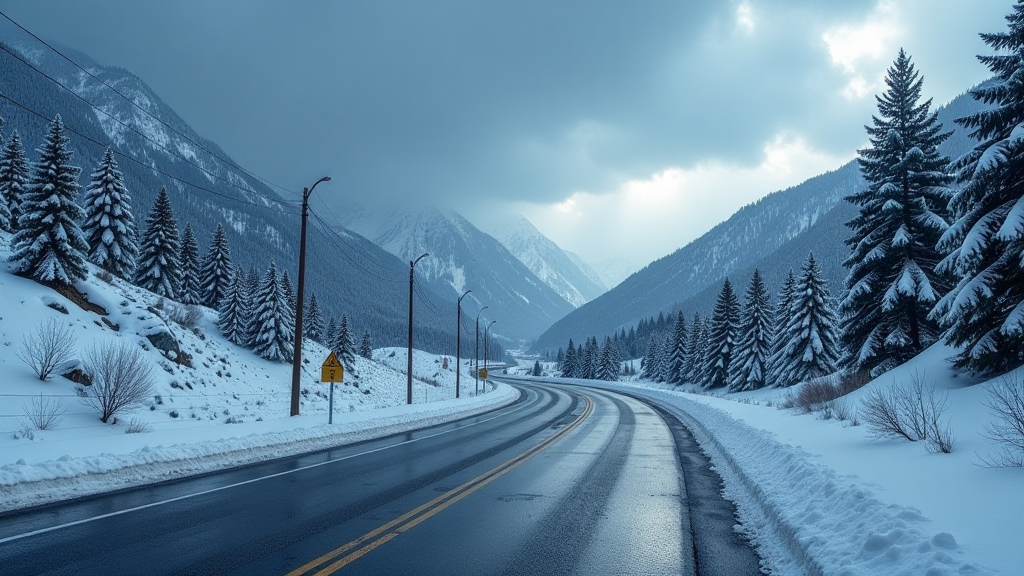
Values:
[(464, 258), (773, 235), (565, 272), (154, 147)]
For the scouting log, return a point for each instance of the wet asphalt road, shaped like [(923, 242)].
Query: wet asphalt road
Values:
[(568, 480)]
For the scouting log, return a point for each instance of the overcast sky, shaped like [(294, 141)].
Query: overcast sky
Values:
[(622, 129)]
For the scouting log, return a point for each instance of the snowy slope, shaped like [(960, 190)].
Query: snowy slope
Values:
[(222, 407), (563, 271), (464, 258)]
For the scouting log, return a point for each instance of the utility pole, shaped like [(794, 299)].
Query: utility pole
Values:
[(458, 341), (408, 389), (476, 354), (300, 298), (485, 345)]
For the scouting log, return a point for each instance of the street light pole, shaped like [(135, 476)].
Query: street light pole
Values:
[(300, 302), (408, 388), (458, 341), (476, 354), (485, 344)]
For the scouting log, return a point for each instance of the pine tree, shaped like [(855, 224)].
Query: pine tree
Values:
[(159, 269), (892, 284), (344, 346), (568, 365), (783, 312), (188, 287), (693, 361), (812, 347), (366, 347), (607, 365), (6, 224), (234, 311), (289, 292), (984, 312), (275, 323), (537, 371), (329, 333), (313, 323), (48, 245), (676, 355), (753, 353), (591, 355), (722, 338), (651, 364), (14, 174), (109, 224), (252, 288), (215, 273)]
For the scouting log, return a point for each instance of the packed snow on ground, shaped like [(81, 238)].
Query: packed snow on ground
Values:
[(823, 496), (222, 407)]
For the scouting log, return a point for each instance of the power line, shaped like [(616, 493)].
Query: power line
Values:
[(132, 102), (331, 235), (143, 164)]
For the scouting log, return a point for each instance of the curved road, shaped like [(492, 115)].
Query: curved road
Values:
[(568, 480)]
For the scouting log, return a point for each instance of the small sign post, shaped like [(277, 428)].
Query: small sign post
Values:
[(483, 373), (331, 371)]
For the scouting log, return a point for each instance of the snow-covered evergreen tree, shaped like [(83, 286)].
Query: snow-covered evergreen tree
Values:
[(675, 357), (215, 273), (289, 291), (344, 346), (753, 353), (366, 346), (252, 285), (330, 331), (159, 265), (275, 321), (693, 364), (48, 244), (313, 322), (984, 312), (234, 310), (608, 364), (892, 284), (109, 224), (722, 337), (812, 347), (652, 359), (188, 287), (569, 363), (6, 224), (783, 312), (591, 354), (14, 174)]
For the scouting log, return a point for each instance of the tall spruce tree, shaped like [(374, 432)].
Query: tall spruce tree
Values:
[(14, 174), (676, 356), (344, 346), (651, 367), (693, 366), (569, 362), (366, 347), (892, 284), (109, 223), (274, 320), (753, 353), (608, 364), (159, 269), (313, 324), (215, 273), (289, 291), (234, 310), (783, 312), (6, 224), (984, 312), (722, 337), (188, 287), (812, 343), (48, 245)]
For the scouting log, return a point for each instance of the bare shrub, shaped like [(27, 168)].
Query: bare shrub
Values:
[(137, 426), (1005, 401), (842, 410), (851, 381), (43, 413), (47, 347), (910, 411), (184, 315), (121, 378), (815, 394)]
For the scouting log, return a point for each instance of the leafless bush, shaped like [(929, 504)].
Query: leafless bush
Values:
[(851, 381), (47, 347), (816, 395), (184, 315), (137, 426), (842, 410), (910, 411), (121, 378), (43, 413), (1005, 401)]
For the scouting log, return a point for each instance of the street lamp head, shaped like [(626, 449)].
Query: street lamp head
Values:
[(464, 295), (481, 312), (422, 256)]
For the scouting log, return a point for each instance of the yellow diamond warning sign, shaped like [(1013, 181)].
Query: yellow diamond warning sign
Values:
[(332, 370), (483, 373)]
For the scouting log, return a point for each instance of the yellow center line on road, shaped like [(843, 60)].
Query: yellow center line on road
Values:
[(371, 540)]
